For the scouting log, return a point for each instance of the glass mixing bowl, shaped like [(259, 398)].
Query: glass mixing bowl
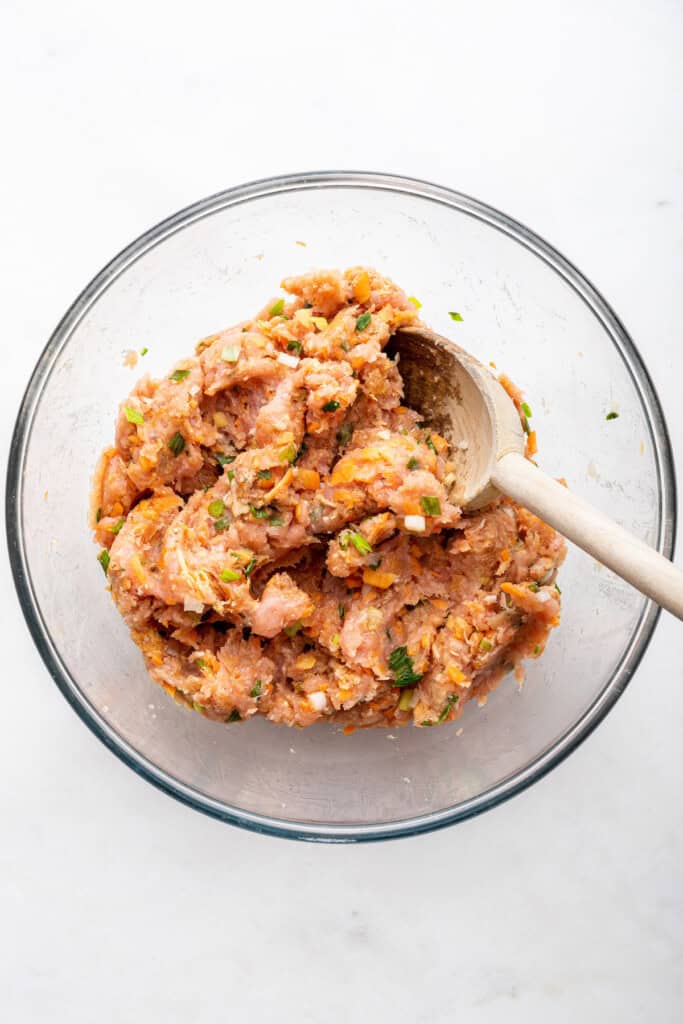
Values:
[(525, 308)]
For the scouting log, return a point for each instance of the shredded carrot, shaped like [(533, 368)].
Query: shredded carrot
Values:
[(353, 582), (308, 478), (531, 445), (438, 602), (361, 287), (376, 578), (505, 555), (455, 674), (135, 567), (348, 729)]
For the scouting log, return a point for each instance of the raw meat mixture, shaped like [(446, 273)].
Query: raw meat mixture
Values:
[(278, 532)]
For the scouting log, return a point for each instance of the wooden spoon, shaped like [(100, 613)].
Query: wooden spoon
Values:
[(463, 401)]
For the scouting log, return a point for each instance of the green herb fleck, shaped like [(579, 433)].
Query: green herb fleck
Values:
[(295, 346), (276, 518), (426, 722), (300, 454), (412, 463), (345, 433), (250, 566), (612, 416), (230, 575), (430, 443), (361, 544), (453, 699), (231, 475), (224, 460), (401, 664), (345, 347), (294, 628), (537, 649), (116, 528), (455, 316), (331, 406), (264, 474), (277, 308), (557, 589), (259, 513), (234, 716), (534, 587), (200, 663), (526, 409), (103, 559), (133, 416), (179, 375), (98, 515), (144, 351), (375, 565), (220, 525), (363, 321), (176, 444), (431, 506), (216, 508), (256, 690), (342, 611)]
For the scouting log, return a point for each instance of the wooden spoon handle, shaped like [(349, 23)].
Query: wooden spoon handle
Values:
[(591, 530)]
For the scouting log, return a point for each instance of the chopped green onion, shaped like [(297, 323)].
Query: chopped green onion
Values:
[(144, 351), (256, 690), (231, 475), (430, 443), (375, 565), (345, 433), (264, 474), (133, 416), (525, 425), (103, 559), (453, 699), (431, 506), (361, 544), (276, 518), (331, 406), (234, 716), (537, 649), (276, 308), (412, 463), (342, 611), (230, 353), (612, 416), (216, 508), (405, 700), (363, 321), (294, 628), (179, 375), (200, 663), (197, 707), (229, 575), (116, 528), (455, 316), (250, 566), (98, 515), (345, 347), (426, 722), (300, 454), (177, 443), (223, 460), (557, 589), (415, 302), (486, 645), (259, 513), (295, 346), (289, 453), (220, 525), (401, 664), (526, 409), (534, 587)]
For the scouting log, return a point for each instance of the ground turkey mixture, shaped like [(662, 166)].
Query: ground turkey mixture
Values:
[(278, 534)]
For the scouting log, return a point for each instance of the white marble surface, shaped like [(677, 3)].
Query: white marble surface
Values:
[(120, 905)]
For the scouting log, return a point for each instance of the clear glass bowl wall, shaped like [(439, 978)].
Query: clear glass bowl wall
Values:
[(525, 309)]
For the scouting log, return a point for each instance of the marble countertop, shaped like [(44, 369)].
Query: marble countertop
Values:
[(121, 905)]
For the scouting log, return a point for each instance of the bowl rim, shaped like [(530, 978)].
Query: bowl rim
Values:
[(320, 831)]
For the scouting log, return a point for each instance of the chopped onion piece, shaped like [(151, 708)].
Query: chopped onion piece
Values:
[(287, 360), (416, 524), (318, 700), (190, 605)]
